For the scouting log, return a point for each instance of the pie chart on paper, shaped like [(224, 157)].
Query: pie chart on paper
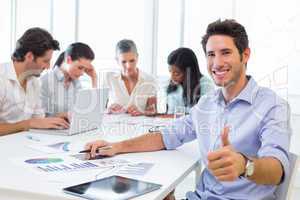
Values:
[(43, 160)]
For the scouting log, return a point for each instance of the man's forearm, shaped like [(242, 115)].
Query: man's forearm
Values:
[(267, 171), (144, 143), (9, 128)]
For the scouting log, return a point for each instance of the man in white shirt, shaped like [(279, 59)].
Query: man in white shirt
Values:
[(20, 106)]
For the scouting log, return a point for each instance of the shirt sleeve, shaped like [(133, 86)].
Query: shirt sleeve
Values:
[(2, 94), (45, 99), (38, 109), (175, 99), (153, 88), (143, 91), (148, 88), (275, 135), (103, 79), (179, 132), (171, 102)]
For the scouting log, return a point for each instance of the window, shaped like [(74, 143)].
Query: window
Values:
[(64, 22), (102, 25), (272, 36), (5, 31), (168, 39), (198, 14), (32, 13), (274, 41)]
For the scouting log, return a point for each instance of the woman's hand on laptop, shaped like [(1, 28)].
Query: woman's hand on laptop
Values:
[(134, 111), (116, 109), (49, 122), (101, 147)]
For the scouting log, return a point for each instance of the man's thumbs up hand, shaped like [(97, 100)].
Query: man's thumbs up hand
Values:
[(225, 163), (224, 137)]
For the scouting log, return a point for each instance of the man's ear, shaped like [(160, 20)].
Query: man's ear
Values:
[(29, 56), (69, 59), (246, 55)]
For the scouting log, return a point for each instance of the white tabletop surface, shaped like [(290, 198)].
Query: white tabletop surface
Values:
[(170, 167)]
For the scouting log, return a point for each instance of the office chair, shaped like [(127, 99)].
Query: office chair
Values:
[(284, 190)]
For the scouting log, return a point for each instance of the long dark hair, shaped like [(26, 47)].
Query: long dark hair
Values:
[(186, 60), (75, 51)]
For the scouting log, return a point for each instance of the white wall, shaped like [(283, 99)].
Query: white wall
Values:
[(158, 27), (273, 29)]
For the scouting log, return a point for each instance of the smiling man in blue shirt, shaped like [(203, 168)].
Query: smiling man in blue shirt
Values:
[(243, 130)]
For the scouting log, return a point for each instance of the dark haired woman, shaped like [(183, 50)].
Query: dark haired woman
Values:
[(187, 84), (59, 86)]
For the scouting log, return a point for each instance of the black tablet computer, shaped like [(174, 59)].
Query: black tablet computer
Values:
[(113, 188)]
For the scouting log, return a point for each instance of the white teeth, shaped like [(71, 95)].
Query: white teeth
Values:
[(220, 73)]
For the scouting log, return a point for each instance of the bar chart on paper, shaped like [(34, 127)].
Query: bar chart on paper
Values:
[(66, 167), (57, 164)]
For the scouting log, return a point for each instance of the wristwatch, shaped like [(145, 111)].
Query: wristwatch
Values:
[(249, 168)]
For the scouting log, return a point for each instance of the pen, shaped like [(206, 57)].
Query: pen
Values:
[(30, 137), (97, 151)]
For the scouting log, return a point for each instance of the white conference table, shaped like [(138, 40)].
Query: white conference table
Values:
[(16, 183)]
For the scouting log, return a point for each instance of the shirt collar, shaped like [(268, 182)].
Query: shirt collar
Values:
[(8, 70), (247, 94), (59, 74), (141, 75)]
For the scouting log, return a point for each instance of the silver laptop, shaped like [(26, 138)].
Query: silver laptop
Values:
[(86, 115)]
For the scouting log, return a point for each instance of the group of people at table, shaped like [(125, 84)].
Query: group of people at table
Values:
[(243, 129)]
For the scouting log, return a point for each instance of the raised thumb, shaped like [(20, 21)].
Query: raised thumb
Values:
[(224, 136)]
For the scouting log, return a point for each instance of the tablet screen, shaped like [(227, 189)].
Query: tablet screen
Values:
[(113, 187)]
